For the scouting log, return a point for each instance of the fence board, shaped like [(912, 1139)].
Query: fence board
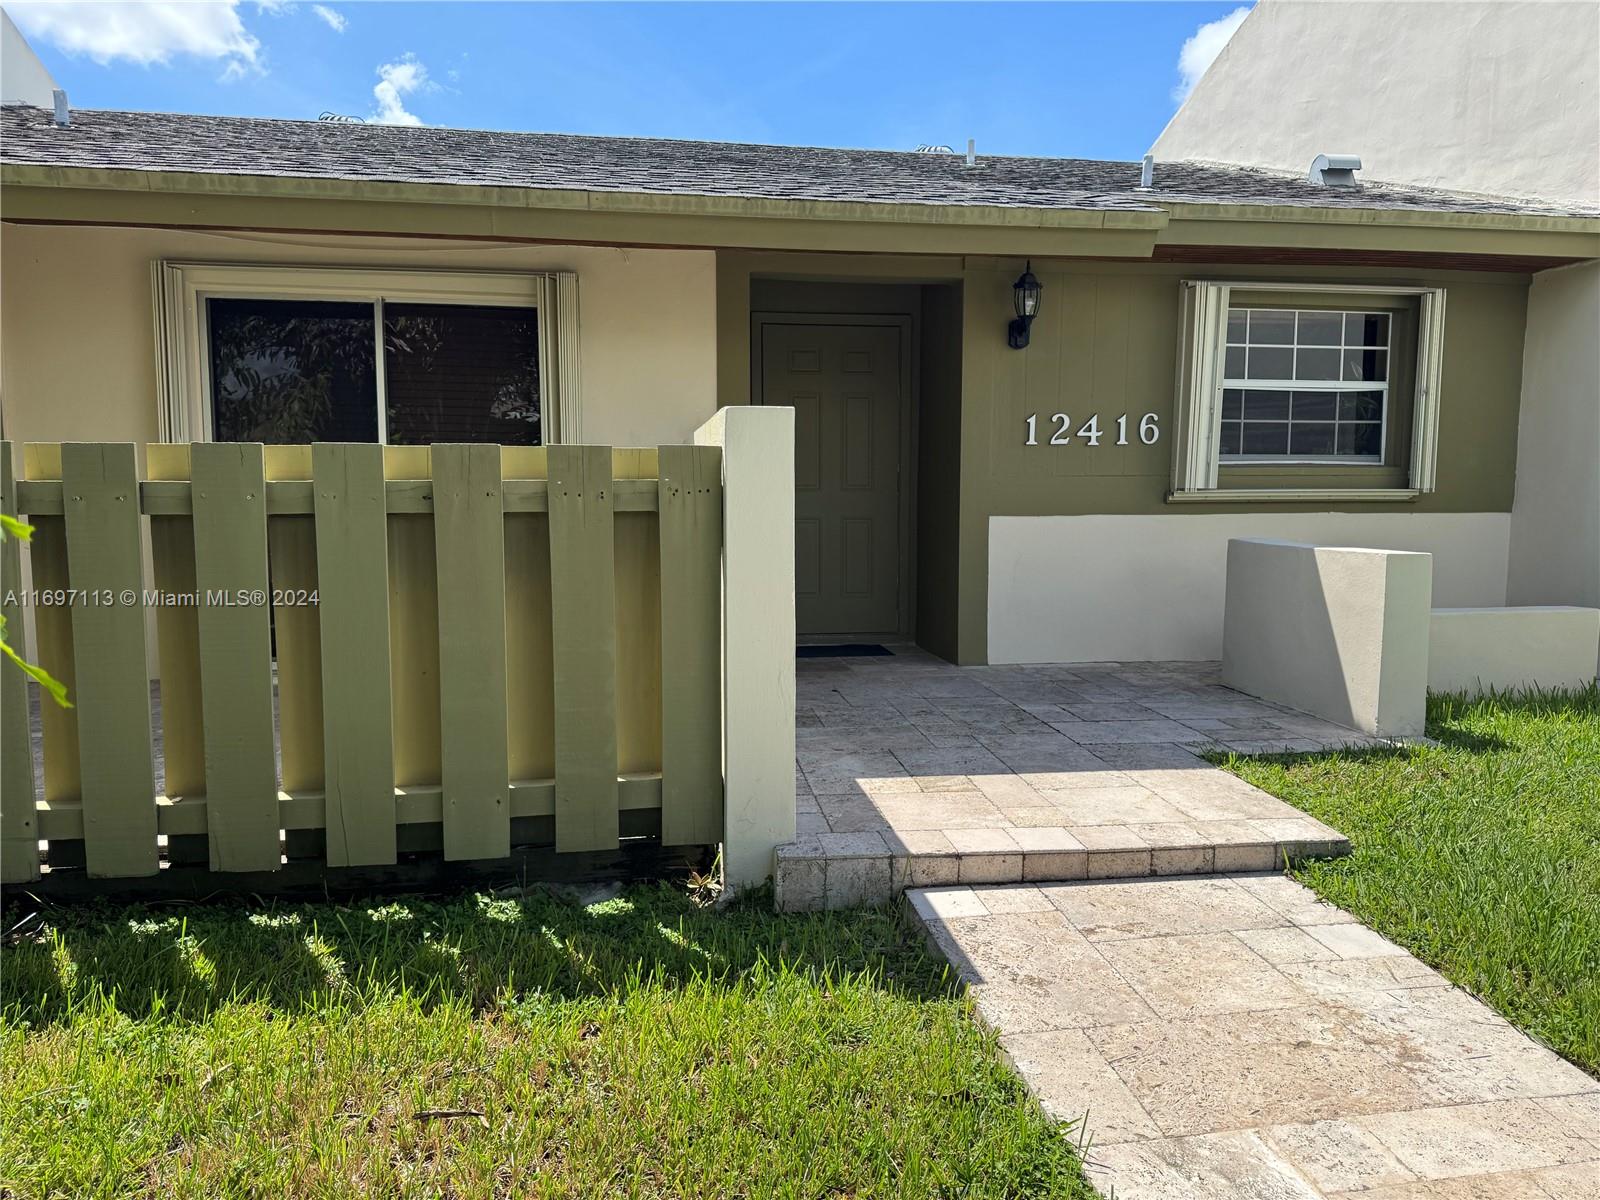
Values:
[(413, 621), (183, 755), (353, 590), (691, 645), (583, 619), (469, 539), (100, 490), (19, 825), (230, 554)]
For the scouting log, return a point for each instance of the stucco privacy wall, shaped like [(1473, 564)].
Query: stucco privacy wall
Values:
[(1142, 588), (1500, 98), (1547, 646), (77, 355), (1334, 631), (1555, 523)]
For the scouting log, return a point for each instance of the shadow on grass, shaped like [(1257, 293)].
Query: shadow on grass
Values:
[(477, 949)]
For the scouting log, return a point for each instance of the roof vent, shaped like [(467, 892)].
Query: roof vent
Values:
[(1335, 170), (63, 113), (933, 148), (1147, 173)]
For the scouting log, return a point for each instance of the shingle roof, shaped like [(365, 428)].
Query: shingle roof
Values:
[(134, 141)]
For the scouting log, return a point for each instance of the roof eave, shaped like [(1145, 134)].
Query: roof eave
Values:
[(664, 203)]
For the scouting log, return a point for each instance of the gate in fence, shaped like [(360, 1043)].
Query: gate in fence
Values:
[(364, 653)]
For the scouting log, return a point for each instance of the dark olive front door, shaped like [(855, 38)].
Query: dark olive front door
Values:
[(844, 384)]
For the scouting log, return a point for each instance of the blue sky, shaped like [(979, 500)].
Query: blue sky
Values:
[(1092, 80)]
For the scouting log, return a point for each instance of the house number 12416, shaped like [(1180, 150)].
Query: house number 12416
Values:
[(1060, 430)]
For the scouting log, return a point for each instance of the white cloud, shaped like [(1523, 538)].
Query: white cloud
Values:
[(1201, 50), (334, 20), (398, 80), (144, 33)]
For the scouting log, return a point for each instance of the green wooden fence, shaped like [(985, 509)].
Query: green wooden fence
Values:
[(366, 654)]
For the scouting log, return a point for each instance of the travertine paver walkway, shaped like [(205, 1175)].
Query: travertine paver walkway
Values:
[(1234, 1038), (913, 772)]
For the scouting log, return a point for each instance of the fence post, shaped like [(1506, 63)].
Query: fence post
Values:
[(757, 635)]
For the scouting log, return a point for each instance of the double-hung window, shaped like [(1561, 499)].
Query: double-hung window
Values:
[(1308, 385), (1307, 391), (292, 355)]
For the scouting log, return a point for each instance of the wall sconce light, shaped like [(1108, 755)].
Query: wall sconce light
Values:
[(1025, 294)]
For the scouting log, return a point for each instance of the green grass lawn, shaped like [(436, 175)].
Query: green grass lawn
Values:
[(510, 1047), (1480, 855)]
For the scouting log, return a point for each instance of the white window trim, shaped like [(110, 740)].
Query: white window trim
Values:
[(1196, 456), (183, 384)]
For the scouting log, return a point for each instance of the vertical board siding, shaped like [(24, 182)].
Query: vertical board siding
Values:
[(469, 537), (19, 826), (583, 621), (229, 496), (691, 644), (100, 501), (353, 590)]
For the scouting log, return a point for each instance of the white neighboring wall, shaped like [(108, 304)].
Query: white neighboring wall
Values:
[(1501, 98), (1151, 588), (1555, 525), (23, 78)]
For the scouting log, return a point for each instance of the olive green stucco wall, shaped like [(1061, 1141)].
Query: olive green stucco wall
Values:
[(1106, 342)]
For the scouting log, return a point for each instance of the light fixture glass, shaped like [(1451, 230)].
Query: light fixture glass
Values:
[(1025, 295)]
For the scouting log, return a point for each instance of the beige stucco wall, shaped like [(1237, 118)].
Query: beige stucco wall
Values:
[(1555, 523), (1501, 97), (646, 327)]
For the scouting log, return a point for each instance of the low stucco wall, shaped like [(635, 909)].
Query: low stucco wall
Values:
[(1335, 631), (1141, 588), (1474, 649), (646, 323)]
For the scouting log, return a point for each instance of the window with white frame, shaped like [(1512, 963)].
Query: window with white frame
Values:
[(293, 355), (1302, 377)]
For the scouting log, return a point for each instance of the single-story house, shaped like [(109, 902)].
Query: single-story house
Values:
[(1033, 397)]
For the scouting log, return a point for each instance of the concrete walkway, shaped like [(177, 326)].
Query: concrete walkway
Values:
[(1234, 1038), (911, 772)]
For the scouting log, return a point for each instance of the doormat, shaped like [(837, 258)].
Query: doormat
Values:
[(843, 650)]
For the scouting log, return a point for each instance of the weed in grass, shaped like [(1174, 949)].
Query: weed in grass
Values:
[(1480, 854), (503, 1046)]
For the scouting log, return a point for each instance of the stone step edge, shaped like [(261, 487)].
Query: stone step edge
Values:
[(807, 879)]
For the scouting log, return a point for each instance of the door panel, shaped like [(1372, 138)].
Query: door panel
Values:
[(844, 384)]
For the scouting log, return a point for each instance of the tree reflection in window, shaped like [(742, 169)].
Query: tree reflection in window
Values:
[(461, 373), (292, 371), (296, 371)]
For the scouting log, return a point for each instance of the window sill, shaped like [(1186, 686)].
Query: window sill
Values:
[(1293, 496)]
